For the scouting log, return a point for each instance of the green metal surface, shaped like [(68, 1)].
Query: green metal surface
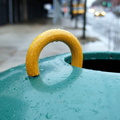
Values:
[(61, 91)]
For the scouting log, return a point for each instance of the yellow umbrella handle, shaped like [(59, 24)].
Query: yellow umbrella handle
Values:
[(49, 36)]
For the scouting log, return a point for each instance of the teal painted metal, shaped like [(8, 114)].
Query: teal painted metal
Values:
[(61, 91)]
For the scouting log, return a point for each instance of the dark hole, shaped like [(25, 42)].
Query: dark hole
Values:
[(103, 65)]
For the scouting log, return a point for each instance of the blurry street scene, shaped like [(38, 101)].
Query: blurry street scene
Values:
[(96, 24)]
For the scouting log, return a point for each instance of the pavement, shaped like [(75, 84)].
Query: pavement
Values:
[(15, 40)]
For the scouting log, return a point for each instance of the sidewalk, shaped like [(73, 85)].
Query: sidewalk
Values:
[(15, 40)]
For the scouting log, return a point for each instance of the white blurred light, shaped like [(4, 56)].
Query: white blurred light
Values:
[(91, 10), (47, 6)]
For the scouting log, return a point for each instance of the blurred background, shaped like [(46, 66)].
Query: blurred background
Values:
[(96, 24)]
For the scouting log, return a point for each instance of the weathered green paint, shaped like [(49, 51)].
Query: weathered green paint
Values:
[(61, 91)]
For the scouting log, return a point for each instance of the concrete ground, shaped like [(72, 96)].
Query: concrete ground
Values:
[(15, 40)]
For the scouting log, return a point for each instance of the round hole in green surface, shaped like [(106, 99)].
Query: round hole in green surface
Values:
[(102, 61)]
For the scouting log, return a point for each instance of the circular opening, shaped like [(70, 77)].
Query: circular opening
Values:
[(102, 65), (102, 62)]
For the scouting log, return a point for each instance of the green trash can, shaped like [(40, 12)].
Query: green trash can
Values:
[(63, 91)]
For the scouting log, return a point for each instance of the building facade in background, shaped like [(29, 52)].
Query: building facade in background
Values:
[(116, 7), (15, 11), (116, 2)]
